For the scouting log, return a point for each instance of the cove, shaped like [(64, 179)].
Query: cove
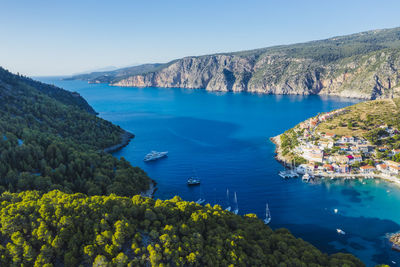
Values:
[(224, 139)]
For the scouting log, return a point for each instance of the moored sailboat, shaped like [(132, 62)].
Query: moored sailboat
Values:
[(236, 210), (228, 208), (268, 218)]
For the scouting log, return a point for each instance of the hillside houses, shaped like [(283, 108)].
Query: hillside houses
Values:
[(326, 152), (367, 169), (313, 122), (313, 154)]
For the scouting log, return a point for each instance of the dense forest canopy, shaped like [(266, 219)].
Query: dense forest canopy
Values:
[(58, 229), (49, 144)]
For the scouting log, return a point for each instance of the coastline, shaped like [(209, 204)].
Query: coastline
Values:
[(284, 160), (278, 151), (255, 92), (126, 137), (151, 191), (395, 240)]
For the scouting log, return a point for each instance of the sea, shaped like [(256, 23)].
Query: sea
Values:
[(224, 139)]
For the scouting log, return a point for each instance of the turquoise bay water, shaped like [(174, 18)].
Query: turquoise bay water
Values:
[(223, 138)]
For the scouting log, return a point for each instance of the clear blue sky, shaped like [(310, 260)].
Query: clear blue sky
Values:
[(63, 37)]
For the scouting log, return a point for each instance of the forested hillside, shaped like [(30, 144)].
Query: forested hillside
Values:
[(58, 229), (110, 76), (47, 143), (8, 80)]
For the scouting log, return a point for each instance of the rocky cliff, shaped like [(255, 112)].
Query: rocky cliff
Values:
[(364, 65), (370, 76)]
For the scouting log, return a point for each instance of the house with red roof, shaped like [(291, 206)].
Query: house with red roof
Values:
[(367, 169)]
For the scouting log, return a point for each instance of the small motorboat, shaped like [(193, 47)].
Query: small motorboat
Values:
[(340, 231), (193, 181), (335, 211)]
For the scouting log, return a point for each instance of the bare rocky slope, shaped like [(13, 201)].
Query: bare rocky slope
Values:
[(364, 65)]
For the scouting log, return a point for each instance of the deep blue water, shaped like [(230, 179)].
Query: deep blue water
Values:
[(224, 139)]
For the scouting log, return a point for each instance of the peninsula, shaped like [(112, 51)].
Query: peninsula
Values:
[(363, 65), (362, 140)]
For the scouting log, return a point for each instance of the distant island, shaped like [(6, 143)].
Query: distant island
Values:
[(363, 65)]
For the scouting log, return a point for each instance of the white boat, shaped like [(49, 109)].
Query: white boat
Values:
[(236, 210), (307, 177), (289, 173), (340, 231), (154, 155), (228, 208), (335, 210), (200, 201), (268, 218), (193, 181)]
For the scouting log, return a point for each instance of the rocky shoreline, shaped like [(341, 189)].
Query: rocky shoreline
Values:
[(278, 151), (126, 137), (151, 191), (395, 239)]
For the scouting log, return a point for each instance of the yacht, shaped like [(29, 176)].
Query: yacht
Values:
[(193, 181), (340, 231), (268, 218), (154, 155)]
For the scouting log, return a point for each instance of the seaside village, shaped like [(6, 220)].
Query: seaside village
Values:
[(329, 155)]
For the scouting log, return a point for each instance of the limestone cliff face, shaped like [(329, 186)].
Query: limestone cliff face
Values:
[(370, 76), (215, 73), (364, 65)]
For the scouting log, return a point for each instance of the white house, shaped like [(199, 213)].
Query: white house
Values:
[(347, 139), (367, 169), (357, 158), (382, 167)]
